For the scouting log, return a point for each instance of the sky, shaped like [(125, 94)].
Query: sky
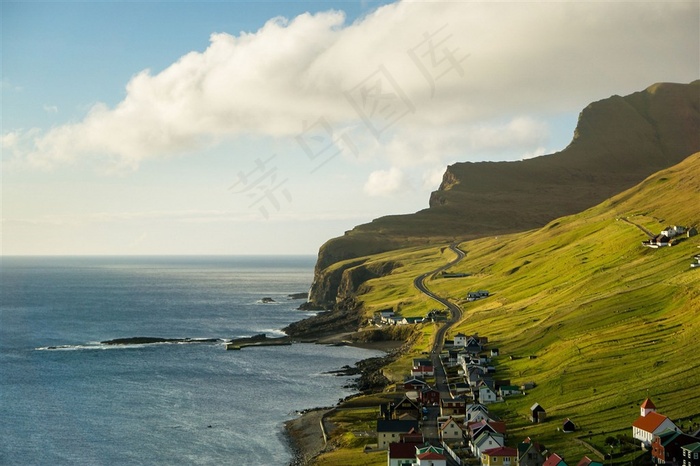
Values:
[(153, 127)]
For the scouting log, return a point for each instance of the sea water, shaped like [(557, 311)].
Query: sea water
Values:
[(68, 399)]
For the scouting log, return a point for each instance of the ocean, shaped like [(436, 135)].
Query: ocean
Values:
[(67, 399)]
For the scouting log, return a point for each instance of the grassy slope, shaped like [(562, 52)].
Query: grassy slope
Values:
[(608, 320)]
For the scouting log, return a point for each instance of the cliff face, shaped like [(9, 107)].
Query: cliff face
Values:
[(617, 143)]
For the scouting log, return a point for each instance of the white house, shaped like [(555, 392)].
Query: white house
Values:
[(487, 395), (450, 431), (485, 441), (650, 423), (460, 340)]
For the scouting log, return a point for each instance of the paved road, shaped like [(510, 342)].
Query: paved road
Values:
[(430, 426)]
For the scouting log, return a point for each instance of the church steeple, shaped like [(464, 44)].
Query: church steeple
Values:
[(647, 407)]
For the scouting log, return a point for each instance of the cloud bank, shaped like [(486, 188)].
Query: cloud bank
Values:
[(425, 82)]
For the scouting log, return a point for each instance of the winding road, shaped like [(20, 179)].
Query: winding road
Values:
[(430, 427), (455, 311)]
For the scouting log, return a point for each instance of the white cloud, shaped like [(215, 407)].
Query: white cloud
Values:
[(515, 59), (50, 109), (386, 182)]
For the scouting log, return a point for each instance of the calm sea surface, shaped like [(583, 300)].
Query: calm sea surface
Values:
[(85, 403)]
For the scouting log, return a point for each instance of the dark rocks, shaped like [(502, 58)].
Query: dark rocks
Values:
[(151, 340)]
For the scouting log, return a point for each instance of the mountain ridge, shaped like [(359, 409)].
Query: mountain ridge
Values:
[(617, 143)]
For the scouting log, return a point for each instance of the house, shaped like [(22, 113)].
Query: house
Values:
[(401, 454), (537, 413), (450, 431), (650, 423), (474, 295), (474, 429), (691, 454), (568, 426), (485, 441), (476, 412), (508, 390), (414, 383), (412, 436), (495, 352), (530, 453), (390, 430), (452, 406), (406, 406), (666, 448), (460, 340), (501, 456), (422, 368), (487, 395), (429, 397), (430, 458), (554, 460), (586, 461)]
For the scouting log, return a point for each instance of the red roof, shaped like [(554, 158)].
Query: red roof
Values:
[(650, 422), (648, 404), (403, 450), (553, 460), (501, 451), (430, 455)]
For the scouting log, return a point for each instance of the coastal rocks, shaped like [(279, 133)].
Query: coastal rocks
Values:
[(267, 300), (344, 318), (151, 340), (257, 340)]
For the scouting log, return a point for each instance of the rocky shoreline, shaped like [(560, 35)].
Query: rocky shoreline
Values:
[(304, 434)]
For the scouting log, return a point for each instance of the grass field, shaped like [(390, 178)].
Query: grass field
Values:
[(579, 307)]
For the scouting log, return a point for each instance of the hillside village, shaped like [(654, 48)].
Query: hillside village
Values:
[(440, 423)]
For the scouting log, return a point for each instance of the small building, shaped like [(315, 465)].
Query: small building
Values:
[(389, 431), (500, 456), (487, 395), (650, 423), (429, 397), (452, 406), (414, 383), (401, 454), (430, 458), (530, 453), (508, 390), (422, 368), (451, 431), (666, 448), (568, 426), (537, 413), (486, 440), (691, 454), (586, 461), (460, 340), (554, 460)]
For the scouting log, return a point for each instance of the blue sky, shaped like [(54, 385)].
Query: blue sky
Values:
[(270, 127)]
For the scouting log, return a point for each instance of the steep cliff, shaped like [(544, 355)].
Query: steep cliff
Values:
[(618, 142)]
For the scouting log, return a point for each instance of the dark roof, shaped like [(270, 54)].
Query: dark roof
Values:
[(393, 425), (536, 407), (403, 450)]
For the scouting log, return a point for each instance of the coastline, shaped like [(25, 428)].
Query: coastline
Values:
[(303, 433)]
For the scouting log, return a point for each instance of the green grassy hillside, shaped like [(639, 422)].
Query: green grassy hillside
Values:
[(607, 320), (618, 142)]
